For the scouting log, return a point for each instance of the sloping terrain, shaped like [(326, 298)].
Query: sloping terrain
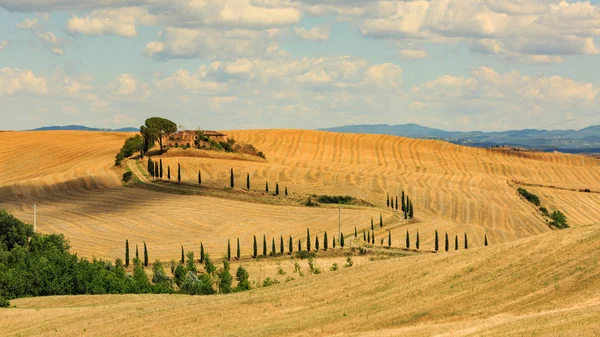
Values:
[(543, 285)]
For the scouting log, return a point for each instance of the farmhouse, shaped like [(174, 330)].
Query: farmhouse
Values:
[(195, 138)]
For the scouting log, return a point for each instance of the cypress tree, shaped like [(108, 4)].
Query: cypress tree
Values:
[(403, 203), (456, 242), (248, 182), (389, 238), (411, 210), (199, 178), (238, 248), (387, 200), (264, 245), (355, 233), (201, 253), (126, 253), (277, 188), (182, 256), (485, 242), (325, 243), (417, 245), (317, 243), (228, 250), (179, 173), (436, 241), (380, 220), (446, 245), (342, 241), (267, 186), (286, 192), (369, 237), (145, 255), (333, 242), (299, 245), (273, 251), (169, 172), (231, 181), (150, 166), (364, 236), (466, 242), (291, 244), (281, 245), (137, 254), (307, 240), (161, 169), (373, 238), (396, 203), (407, 240), (372, 227), (255, 251), (156, 170)]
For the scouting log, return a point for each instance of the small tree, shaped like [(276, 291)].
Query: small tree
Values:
[(396, 203), (199, 178), (255, 246), (161, 169), (466, 242), (417, 243), (291, 245), (182, 255), (456, 242), (333, 243), (209, 267), (317, 243), (372, 238), (137, 253), (228, 250), (372, 227), (286, 192), (150, 167), (231, 180), (264, 245), (225, 279), (299, 245), (281, 245), (485, 241), (342, 240), (407, 240), (241, 275), (156, 170), (201, 253), (238, 248), (436, 241), (248, 181), (126, 253), (380, 220), (308, 240), (364, 236), (387, 200), (325, 241), (267, 186), (169, 172), (273, 251), (145, 255), (411, 212), (447, 243), (369, 237), (389, 238), (355, 233), (190, 265), (179, 173)]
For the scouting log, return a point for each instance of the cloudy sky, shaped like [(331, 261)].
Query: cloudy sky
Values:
[(229, 64)]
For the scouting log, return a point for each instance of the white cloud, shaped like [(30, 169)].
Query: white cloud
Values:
[(3, 45), (127, 85), (121, 22), (55, 5), (14, 81), (191, 83), (315, 34), (29, 24), (413, 54)]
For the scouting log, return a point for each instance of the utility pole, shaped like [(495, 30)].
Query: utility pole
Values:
[(34, 216), (340, 225)]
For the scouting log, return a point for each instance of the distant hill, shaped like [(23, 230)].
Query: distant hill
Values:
[(586, 140), (83, 128)]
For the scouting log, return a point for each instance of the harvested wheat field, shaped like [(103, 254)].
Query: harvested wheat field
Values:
[(542, 285), (455, 189)]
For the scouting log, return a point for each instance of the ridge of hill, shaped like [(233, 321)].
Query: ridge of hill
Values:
[(586, 140), (83, 128)]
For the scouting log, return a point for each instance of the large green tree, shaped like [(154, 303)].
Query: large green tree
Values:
[(157, 129)]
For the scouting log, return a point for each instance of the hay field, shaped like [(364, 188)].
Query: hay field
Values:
[(455, 189), (542, 285)]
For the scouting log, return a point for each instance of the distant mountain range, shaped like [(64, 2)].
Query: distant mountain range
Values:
[(83, 128), (571, 141)]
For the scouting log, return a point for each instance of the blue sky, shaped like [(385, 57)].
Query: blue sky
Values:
[(229, 64)]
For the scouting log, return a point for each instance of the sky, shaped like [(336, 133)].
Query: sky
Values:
[(462, 65)]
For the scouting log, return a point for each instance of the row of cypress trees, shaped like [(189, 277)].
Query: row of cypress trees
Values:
[(407, 205), (290, 246), (137, 254), (156, 170), (447, 242)]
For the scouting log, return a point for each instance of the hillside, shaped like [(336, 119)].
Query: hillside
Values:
[(543, 285), (454, 188)]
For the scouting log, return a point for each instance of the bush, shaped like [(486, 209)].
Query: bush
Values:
[(4, 303), (310, 202), (334, 267), (544, 211), (269, 282), (241, 275), (558, 219), (349, 262), (305, 255), (532, 198), (127, 176), (335, 199), (313, 268)]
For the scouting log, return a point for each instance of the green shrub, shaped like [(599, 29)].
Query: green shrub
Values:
[(335, 199), (269, 282), (241, 276), (313, 267), (4, 303), (558, 219), (349, 262), (305, 254), (334, 267), (532, 198)]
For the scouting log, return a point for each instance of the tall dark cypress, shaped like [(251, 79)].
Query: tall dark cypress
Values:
[(291, 245), (161, 169), (228, 250), (150, 167), (145, 255), (364, 235), (277, 188), (156, 170), (373, 238), (169, 172), (355, 233), (387, 200), (456, 242), (437, 247), (411, 210), (286, 192), (325, 241), (182, 255), (248, 182), (238, 248), (281, 249), (333, 243), (407, 240), (267, 186), (299, 245), (417, 243), (389, 238), (231, 181), (201, 252), (380, 220), (264, 245), (466, 242), (372, 227), (369, 237), (396, 203), (137, 254), (179, 173), (199, 178), (316, 243), (447, 244), (126, 253), (403, 203), (342, 241), (255, 254), (273, 251), (485, 242), (307, 240)]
